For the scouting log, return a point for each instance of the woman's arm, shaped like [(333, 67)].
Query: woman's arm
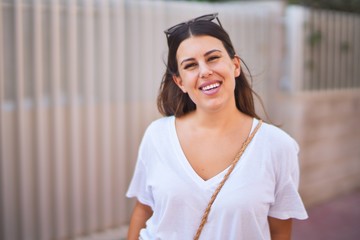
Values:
[(139, 217), (280, 229)]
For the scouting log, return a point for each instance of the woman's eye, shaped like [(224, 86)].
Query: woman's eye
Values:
[(212, 58), (190, 65)]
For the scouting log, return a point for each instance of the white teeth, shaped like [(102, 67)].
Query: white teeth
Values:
[(211, 86)]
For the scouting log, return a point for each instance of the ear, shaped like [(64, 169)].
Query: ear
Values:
[(178, 82), (237, 63)]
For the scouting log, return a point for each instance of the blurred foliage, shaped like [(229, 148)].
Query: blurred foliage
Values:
[(340, 5), (210, 0), (315, 38)]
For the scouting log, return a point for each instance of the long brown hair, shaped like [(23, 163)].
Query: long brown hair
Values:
[(171, 100)]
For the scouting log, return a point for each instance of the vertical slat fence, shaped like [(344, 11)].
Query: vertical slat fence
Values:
[(78, 84)]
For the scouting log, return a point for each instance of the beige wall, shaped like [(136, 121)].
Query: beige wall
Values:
[(326, 126)]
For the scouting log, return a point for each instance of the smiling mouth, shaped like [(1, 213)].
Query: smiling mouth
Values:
[(210, 87)]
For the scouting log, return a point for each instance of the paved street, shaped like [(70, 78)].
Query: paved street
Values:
[(338, 219)]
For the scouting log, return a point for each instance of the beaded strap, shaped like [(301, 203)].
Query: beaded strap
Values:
[(221, 184)]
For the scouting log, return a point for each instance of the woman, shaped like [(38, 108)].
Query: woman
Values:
[(187, 182)]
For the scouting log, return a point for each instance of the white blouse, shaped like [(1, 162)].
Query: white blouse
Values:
[(264, 183)]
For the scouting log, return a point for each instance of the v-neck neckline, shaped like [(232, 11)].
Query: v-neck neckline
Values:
[(180, 155)]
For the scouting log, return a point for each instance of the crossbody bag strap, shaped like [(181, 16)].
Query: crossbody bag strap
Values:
[(221, 184)]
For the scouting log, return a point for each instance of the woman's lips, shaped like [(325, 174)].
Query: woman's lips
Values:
[(210, 88)]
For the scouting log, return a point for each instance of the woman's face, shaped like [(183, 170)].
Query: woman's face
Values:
[(206, 72)]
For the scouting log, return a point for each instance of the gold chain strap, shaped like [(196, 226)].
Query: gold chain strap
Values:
[(221, 184)]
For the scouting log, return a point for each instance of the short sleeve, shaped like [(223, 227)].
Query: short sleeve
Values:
[(139, 186), (288, 203)]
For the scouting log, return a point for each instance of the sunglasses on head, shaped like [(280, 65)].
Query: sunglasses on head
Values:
[(207, 17)]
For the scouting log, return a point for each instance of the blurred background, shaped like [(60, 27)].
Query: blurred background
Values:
[(78, 86)]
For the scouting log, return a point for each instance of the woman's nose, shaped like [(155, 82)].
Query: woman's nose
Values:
[(205, 71)]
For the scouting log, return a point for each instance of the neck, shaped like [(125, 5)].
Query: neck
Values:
[(218, 120)]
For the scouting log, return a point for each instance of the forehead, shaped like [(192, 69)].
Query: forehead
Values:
[(198, 45)]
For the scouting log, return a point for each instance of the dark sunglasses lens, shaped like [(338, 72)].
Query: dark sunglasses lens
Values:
[(173, 28), (208, 17)]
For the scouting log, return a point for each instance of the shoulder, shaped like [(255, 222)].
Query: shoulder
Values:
[(156, 136), (280, 149), (276, 138), (159, 125), (158, 129)]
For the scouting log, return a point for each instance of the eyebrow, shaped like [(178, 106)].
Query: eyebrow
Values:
[(206, 54)]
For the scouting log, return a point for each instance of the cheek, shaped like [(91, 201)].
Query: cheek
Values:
[(188, 78), (225, 67)]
